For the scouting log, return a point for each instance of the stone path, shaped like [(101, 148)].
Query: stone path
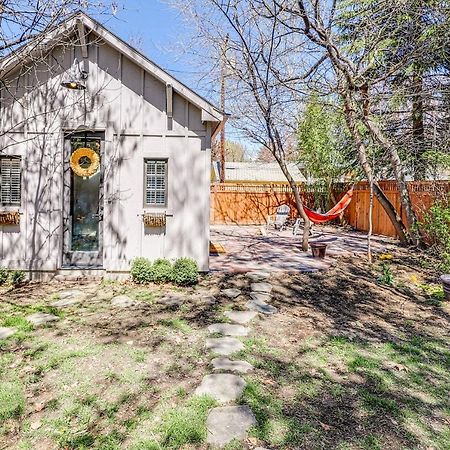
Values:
[(228, 329), (39, 318), (226, 423), (241, 317), (6, 332), (123, 301)]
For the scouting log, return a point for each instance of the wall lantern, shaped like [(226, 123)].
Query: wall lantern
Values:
[(77, 76)]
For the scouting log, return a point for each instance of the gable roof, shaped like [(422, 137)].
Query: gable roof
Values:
[(81, 21)]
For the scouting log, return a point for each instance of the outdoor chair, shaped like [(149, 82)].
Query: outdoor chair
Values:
[(280, 220)]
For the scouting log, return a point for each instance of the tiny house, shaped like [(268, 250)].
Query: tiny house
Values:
[(104, 156)]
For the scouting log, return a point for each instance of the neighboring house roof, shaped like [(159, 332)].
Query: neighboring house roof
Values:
[(78, 23), (256, 172)]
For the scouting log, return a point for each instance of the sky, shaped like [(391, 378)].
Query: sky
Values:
[(155, 28)]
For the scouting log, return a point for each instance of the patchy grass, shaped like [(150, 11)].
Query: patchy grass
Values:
[(176, 324), (349, 363), (12, 400)]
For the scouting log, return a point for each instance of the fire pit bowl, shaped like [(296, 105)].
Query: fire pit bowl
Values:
[(445, 280), (318, 249)]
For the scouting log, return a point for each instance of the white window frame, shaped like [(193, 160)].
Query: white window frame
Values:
[(157, 176), (10, 181)]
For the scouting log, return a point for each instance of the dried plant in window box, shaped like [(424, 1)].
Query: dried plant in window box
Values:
[(155, 220), (9, 218)]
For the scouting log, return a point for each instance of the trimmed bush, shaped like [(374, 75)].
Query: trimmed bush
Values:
[(3, 275), (162, 271), (141, 270), (17, 277), (185, 272)]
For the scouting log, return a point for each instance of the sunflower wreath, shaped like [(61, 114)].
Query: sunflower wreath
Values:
[(82, 156)]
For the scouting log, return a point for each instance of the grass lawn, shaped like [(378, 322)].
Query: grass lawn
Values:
[(355, 359)]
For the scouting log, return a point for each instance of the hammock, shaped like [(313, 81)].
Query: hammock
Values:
[(333, 213)]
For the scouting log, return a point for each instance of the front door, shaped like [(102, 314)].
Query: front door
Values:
[(83, 201)]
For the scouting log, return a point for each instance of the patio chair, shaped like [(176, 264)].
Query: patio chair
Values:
[(281, 217)]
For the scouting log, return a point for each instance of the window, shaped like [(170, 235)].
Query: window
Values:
[(9, 180), (155, 182)]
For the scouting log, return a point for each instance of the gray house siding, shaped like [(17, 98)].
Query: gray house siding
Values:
[(128, 105)]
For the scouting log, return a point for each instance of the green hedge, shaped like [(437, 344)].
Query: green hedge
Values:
[(184, 271), (15, 277)]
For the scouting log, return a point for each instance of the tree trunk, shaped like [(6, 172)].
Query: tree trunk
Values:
[(418, 130), (400, 177), (298, 202), (362, 155)]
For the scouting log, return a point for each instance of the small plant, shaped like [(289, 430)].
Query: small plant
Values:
[(433, 291), (17, 277), (141, 270), (3, 275), (185, 272), (386, 277), (161, 271)]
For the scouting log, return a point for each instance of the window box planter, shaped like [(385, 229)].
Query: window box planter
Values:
[(9, 218), (154, 220)]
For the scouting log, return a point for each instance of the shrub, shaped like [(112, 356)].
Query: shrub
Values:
[(3, 275), (436, 225), (141, 270), (161, 271), (185, 272), (17, 277)]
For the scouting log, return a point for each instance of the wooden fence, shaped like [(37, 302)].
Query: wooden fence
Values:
[(246, 204)]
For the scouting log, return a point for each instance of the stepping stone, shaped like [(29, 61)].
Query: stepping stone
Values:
[(40, 318), (223, 363), (224, 387), (242, 317), (227, 423), (261, 307), (122, 301), (231, 292), (256, 275), (70, 293), (228, 329), (65, 302), (6, 332), (224, 346), (172, 300), (261, 297), (261, 287)]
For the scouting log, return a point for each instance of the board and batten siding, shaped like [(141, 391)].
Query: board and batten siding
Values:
[(128, 104)]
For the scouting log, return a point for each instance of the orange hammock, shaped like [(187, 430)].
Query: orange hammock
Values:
[(333, 213)]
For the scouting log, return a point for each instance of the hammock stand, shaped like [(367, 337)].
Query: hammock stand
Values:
[(333, 213)]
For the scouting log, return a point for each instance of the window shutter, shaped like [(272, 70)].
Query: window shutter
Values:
[(10, 181)]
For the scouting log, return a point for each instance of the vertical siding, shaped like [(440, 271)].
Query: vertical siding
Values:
[(129, 105)]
